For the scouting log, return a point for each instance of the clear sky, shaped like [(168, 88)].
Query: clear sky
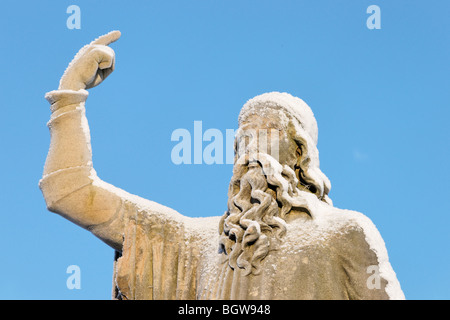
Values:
[(380, 97)]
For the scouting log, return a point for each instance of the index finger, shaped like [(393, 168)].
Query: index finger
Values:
[(108, 38)]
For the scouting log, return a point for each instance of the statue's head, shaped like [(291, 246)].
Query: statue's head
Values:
[(276, 163)]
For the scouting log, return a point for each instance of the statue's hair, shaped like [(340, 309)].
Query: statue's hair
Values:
[(307, 169)]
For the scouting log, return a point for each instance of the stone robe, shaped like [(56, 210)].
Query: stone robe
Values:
[(166, 256)]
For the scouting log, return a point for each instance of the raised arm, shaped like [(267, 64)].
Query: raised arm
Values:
[(69, 184)]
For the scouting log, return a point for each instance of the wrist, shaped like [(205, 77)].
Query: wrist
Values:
[(64, 97), (68, 84)]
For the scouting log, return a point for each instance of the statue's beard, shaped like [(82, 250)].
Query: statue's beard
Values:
[(261, 193)]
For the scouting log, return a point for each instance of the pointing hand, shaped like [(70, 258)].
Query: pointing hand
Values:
[(91, 65)]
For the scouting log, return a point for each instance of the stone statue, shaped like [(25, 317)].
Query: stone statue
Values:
[(280, 238)]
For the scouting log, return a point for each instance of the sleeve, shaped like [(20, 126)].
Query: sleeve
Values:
[(365, 270), (70, 184)]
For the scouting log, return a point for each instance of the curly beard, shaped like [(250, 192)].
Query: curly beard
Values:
[(260, 194)]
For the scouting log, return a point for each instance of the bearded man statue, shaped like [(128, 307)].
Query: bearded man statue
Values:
[(280, 238)]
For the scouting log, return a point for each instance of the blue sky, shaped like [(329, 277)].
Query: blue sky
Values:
[(380, 97)]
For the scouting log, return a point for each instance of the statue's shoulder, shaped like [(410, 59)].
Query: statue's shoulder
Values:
[(351, 220), (363, 245), (328, 224)]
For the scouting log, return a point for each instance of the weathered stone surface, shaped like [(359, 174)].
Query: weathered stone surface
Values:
[(281, 237)]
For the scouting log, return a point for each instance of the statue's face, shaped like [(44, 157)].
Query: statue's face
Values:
[(267, 134)]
